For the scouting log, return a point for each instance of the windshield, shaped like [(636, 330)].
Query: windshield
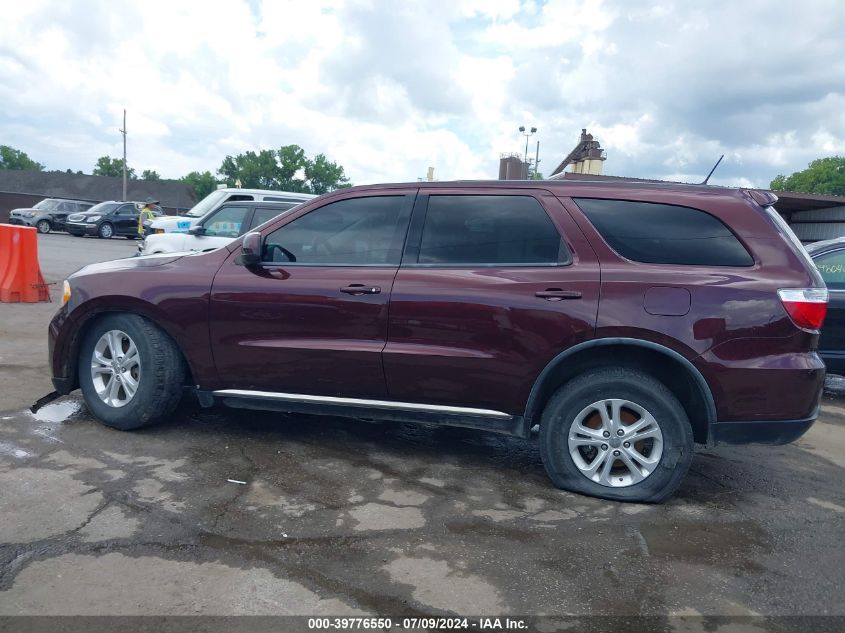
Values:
[(206, 204), (103, 207), (47, 205)]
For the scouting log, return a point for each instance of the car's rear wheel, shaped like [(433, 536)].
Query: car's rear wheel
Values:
[(106, 230), (130, 371), (616, 433), (43, 226)]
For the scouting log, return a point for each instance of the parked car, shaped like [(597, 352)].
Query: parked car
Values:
[(212, 201), (216, 228), (829, 257), (627, 320), (49, 214), (107, 220)]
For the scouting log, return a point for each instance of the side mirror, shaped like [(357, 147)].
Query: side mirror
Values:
[(251, 249), (196, 230)]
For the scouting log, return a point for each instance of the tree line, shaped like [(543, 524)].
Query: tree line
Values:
[(823, 175), (285, 169)]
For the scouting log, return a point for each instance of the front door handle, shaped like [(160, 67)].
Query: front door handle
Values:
[(360, 289), (557, 294)]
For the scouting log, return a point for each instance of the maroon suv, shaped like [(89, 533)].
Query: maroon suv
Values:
[(627, 320)]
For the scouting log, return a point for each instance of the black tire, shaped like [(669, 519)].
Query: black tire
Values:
[(627, 384), (43, 226), (106, 231), (162, 373)]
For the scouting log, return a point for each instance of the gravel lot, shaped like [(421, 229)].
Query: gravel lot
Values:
[(352, 517)]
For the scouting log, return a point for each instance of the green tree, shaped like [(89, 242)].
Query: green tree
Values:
[(324, 175), (254, 170), (292, 162), (150, 174), (285, 169), (11, 158), (202, 183), (823, 175), (108, 166)]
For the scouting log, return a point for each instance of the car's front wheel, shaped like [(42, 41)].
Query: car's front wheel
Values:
[(106, 230), (43, 226), (616, 433), (130, 371)]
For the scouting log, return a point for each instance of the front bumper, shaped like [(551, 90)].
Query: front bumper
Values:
[(761, 432), (80, 229), (21, 221)]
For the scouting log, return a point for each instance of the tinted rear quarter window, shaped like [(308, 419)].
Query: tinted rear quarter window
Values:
[(664, 234), (489, 230)]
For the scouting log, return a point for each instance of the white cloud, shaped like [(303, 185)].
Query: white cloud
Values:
[(389, 88)]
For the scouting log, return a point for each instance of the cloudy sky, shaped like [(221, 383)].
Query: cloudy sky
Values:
[(389, 88)]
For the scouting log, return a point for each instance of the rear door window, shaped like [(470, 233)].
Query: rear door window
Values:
[(226, 222), (664, 233), (479, 230)]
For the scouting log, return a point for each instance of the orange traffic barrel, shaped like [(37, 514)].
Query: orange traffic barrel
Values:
[(20, 275)]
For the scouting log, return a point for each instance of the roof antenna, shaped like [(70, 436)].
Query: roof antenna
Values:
[(714, 169)]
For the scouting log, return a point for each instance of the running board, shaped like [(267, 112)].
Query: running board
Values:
[(484, 419)]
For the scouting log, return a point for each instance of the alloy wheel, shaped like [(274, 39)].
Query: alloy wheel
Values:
[(615, 442), (115, 368)]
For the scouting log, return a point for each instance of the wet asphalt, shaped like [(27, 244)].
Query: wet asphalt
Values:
[(222, 512), (218, 512)]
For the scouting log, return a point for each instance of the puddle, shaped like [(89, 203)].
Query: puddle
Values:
[(13, 451), (57, 411)]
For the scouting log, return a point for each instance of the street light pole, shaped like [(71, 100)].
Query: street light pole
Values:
[(526, 135), (123, 131)]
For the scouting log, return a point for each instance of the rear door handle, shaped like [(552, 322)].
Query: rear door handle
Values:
[(557, 294), (360, 289)]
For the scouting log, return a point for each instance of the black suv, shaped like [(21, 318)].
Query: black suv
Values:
[(107, 220)]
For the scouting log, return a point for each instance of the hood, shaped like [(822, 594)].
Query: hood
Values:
[(86, 214), (148, 261), (24, 210)]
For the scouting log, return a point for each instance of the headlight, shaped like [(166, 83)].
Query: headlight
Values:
[(93, 218), (29, 214), (158, 231), (65, 292)]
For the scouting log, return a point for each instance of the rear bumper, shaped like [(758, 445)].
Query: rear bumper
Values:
[(760, 432)]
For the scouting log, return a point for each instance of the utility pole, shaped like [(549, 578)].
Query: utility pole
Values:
[(537, 160), (123, 131)]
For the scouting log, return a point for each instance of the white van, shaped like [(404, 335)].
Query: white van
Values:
[(181, 224), (217, 228)]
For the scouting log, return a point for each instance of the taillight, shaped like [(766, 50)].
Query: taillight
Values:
[(805, 306)]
